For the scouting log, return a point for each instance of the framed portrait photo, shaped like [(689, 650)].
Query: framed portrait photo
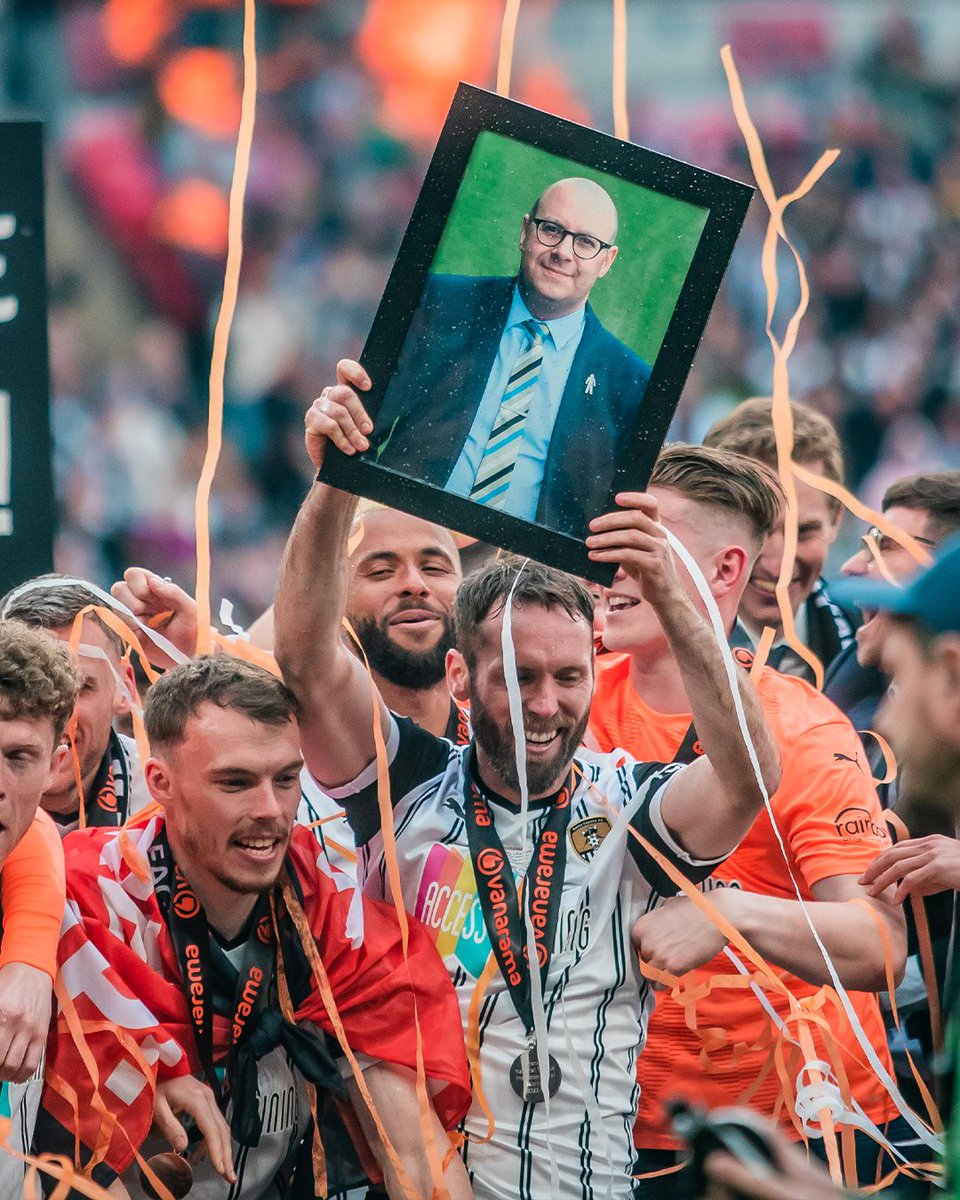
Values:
[(537, 328)]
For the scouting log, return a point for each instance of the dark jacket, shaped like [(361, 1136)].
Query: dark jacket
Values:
[(447, 357)]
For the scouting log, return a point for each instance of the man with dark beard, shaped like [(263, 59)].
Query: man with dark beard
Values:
[(597, 839), (403, 575)]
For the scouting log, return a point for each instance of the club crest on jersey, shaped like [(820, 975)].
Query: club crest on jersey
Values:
[(587, 836)]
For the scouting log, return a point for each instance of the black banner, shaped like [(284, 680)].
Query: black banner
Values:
[(27, 505)]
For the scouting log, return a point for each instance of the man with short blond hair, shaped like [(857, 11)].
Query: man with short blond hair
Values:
[(821, 624)]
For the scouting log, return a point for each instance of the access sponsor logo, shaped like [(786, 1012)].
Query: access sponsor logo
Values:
[(448, 905), (587, 836), (856, 824)]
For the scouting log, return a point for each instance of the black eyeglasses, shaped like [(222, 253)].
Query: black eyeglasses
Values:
[(585, 245), (886, 545)]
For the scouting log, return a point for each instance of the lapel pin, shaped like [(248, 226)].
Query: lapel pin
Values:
[(590, 384)]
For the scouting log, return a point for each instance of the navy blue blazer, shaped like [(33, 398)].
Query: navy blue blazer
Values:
[(449, 351)]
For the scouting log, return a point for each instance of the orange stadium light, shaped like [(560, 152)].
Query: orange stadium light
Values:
[(200, 87), (193, 216), (420, 50), (134, 29)]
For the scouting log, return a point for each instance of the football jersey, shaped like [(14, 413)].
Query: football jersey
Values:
[(595, 999), (828, 814), (19, 1103)]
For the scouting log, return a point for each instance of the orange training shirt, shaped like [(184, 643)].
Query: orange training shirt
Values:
[(32, 895), (832, 824)]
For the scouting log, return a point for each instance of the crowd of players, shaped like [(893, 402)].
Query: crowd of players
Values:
[(294, 937)]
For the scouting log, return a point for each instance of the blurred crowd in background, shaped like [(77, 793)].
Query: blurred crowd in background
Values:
[(142, 102)]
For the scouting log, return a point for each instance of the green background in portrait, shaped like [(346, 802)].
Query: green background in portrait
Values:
[(657, 239)]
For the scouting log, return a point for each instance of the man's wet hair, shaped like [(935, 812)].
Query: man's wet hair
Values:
[(38, 677), (737, 485), (937, 494), (54, 605), (220, 679), (485, 593)]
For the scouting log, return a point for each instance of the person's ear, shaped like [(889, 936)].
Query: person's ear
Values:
[(948, 653), (59, 761), (126, 689), (834, 527), (608, 255), (160, 781), (458, 676), (731, 566), (524, 229)]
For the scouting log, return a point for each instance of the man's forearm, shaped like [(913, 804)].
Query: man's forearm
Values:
[(311, 596), (778, 930), (695, 650), (393, 1091)]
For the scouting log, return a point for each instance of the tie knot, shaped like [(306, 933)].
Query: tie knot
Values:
[(538, 331)]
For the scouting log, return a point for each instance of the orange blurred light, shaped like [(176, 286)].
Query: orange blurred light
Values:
[(420, 49), (543, 86), (133, 29), (193, 216), (199, 87)]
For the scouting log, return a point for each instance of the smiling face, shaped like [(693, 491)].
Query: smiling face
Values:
[(817, 531), (553, 281), (100, 700), (554, 655), (404, 576), (28, 754), (230, 791), (719, 543), (898, 562)]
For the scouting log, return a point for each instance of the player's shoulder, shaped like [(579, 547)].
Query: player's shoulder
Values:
[(615, 776), (611, 673), (794, 707)]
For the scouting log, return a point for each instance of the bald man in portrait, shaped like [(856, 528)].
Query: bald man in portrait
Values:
[(508, 390)]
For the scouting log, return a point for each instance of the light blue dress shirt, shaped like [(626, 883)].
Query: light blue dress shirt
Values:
[(558, 351)]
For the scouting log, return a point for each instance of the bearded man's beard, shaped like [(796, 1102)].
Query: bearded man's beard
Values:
[(418, 670), (496, 741)]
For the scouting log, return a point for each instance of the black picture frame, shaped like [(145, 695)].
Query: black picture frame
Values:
[(475, 111)]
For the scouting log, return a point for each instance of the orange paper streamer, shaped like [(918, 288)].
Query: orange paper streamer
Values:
[(915, 549), (621, 117), (782, 349), (221, 334), (508, 34)]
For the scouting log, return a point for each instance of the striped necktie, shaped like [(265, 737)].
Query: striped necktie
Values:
[(495, 469)]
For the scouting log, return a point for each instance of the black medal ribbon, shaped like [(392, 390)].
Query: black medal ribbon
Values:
[(500, 900), (108, 800), (211, 983)]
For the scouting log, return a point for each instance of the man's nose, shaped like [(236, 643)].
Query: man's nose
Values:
[(564, 248), (265, 804), (858, 564), (541, 699), (412, 580)]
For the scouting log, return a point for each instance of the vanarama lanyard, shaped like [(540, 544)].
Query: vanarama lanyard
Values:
[(202, 977), (500, 904)]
